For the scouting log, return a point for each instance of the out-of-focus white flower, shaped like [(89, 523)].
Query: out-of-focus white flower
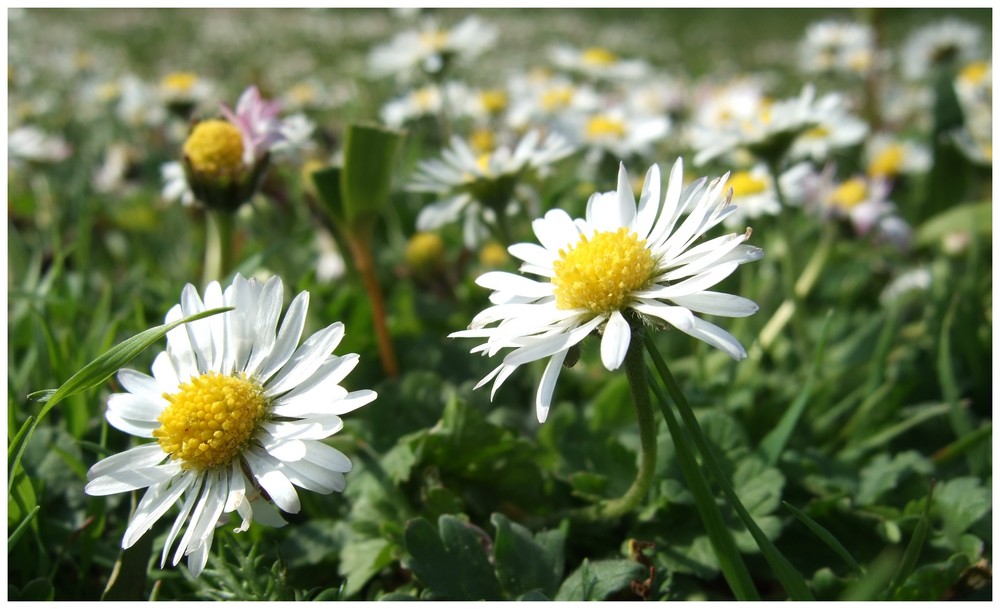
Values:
[(329, 262), (914, 280), (296, 133), (432, 48), (621, 259), (110, 176), (478, 188), (597, 63), (618, 132), (974, 88), (661, 95), (313, 94), (949, 41), (837, 46), (541, 98), (753, 196), (425, 101), (887, 156), (138, 103), (185, 89), (175, 186), (865, 203), (29, 143), (834, 129)]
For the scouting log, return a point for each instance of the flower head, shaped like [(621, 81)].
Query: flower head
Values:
[(619, 260), (949, 42), (238, 414), (837, 46), (432, 48)]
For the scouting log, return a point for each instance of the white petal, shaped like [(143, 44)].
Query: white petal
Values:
[(314, 478), (281, 491), (614, 344), (717, 337), (555, 230), (265, 322), (679, 317), (286, 450), (549, 345), (182, 517), (509, 282), (199, 332), (327, 457), (306, 360), (135, 407), (649, 203), (140, 384), (693, 285), (717, 303), (532, 253), (145, 455), (288, 337), (154, 504), (313, 428), (547, 385), (164, 371), (203, 518), (124, 480)]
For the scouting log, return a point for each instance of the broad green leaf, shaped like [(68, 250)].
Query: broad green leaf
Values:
[(882, 475), (40, 589), (327, 183), (452, 562), (370, 155), (362, 560), (931, 582), (525, 563), (961, 502), (968, 217), (597, 580)]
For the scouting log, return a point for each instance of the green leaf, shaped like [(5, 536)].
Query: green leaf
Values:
[(361, 560), (932, 582), (369, 164), (452, 563), (327, 183), (524, 562), (39, 589), (961, 502), (16, 534), (596, 581), (882, 475), (969, 217), (99, 370), (913, 549)]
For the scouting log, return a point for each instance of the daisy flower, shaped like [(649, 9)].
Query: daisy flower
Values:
[(597, 63), (835, 129), (479, 187), (837, 46), (618, 132), (29, 143), (946, 42), (432, 48), (618, 260), (238, 414), (753, 195), (888, 156)]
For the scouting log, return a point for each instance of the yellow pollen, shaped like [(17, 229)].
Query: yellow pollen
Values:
[(303, 93), (602, 272), (849, 194), (211, 420), (493, 255), (601, 126), (887, 162), (974, 72), (493, 100), (744, 184), (482, 141), (817, 132), (596, 56), (180, 82), (424, 251), (483, 163), (215, 148), (425, 98), (556, 98), (435, 40)]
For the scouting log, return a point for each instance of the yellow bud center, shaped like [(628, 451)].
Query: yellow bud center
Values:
[(603, 126), (425, 98), (424, 251), (817, 133), (744, 184), (849, 194), (596, 56), (435, 40), (493, 255), (482, 141), (493, 100), (556, 98), (303, 93), (887, 162), (215, 148), (211, 420), (179, 82), (602, 272), (974, 73)]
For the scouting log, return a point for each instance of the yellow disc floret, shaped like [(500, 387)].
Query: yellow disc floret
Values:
[(744, 184), (493, 100), (596, 56), (211, 420), (602, 272), (887, 162), (215, 148), (603, 126), (179, 82), (849, 194), (557, 98)]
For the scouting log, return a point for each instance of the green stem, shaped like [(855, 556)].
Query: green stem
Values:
[(791, 579), (218, 245), (635, 371)]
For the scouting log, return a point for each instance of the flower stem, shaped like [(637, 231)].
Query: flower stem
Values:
[(793, 582), (635, 371), (218, 245), (364, 262)]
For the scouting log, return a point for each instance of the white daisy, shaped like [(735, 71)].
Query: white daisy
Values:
[(888, 156), (237, 411), (835, 129), (432, 48), (949, 41), (619, 132), (480, 186), (597, 63), (29, 143), (753, 195), (617, 260), (837, 46)]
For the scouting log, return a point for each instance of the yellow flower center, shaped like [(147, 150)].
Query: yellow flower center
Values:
[(211, 420), (303, 93), (602, 272), (434, 40), (493, 100), (482, 141), (425, 98), (602, 126), (215, 147), (179, 82), (817, 133), (424, 251), (556, 98), (887, 162), (850, 193), (483, 163), (744, 184), (493, 255), (596, 56), (974, 72)]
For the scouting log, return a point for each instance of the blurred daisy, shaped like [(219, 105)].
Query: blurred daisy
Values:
[(542, 98), (175, 185), (753, 196), (432, 48), (421, 102), (29, 143), (865, 202), (478, 188), (769, 132), (974, 89), (947, 42), (238, 414), (597, 63), (837, 46), (619, 260), (914, 280), (835, 129), (618, 132), (182, 91), (887, 156)]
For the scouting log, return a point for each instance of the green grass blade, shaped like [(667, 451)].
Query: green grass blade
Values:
[(909, 561), (13, 538), (99, 370), (774, 443), (19, 438), (825, 536), (964, 444), (793, 582), (733, 568)]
